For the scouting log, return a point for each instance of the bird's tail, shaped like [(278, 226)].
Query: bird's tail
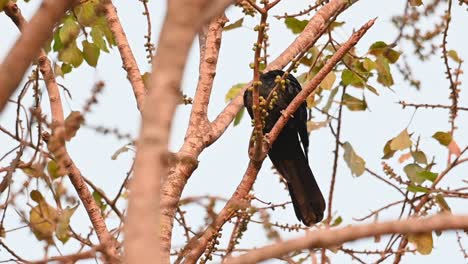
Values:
[(306, 196)]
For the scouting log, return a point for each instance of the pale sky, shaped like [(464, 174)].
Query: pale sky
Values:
[(222, 164)]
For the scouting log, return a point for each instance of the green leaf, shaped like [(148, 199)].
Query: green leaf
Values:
[(234, 91), (372, 89), (444, 138), (353, 160), (98, 38), (384, 76), (337, 221), (368, 64), (53, 170), (42, 220), (417, 188), (234, 25), (328, 81), (35, 170), (103, 26), (454, 56), (402, 141), (99, 201), (422, 241), (86, 12), (415, 2), (65, 68), (239, 116), (427, 175), (440, 200), (90, 53), (71, 55), (378, 48), (353, 103), (62, 231), (412, 171), (69, 31), (392, 55), (419, 157), (350, 78), (295, 25), (388, 151), (58, 45)]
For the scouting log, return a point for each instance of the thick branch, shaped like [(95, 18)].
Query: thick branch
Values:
[(57, 143), (311, 32), (28, 45), (198, 131), (310, 86), (129, 63), (333, 237), (183, 19), (198, 245)]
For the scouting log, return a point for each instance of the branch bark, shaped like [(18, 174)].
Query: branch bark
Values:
[(56, 143), (28, 45), (186, 158), (183, 20), (128, 59), (195, 248), (333, 237)]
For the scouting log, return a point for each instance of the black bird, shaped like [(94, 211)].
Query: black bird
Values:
[(286, 153)]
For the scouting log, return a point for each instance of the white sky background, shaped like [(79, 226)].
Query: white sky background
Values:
[(222, 165)]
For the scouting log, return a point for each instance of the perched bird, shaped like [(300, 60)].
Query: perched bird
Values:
[(286, 152)]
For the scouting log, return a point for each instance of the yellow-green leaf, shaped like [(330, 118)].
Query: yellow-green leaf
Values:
[(86, 12), (417, 188), (444, 138), (90, 53), (233, 91), (35, 170), (42, 219), (54, 170), (384, 76), (71, 55), (412, 171), (353, 160), (388, 151), (239, 116), (423, 242), (328, 81), (402, 141), (419, 157), (62, 231), (440, 200), (454, 56), (69, 30), (234, 25), (353, 103), (295, 25)]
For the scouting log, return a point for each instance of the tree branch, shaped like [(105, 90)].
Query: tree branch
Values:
[(56, 142), (129, 63), (28, 45), (183, 20), (333, 237)]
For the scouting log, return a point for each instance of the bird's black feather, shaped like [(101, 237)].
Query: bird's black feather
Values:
[(286, 153)]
